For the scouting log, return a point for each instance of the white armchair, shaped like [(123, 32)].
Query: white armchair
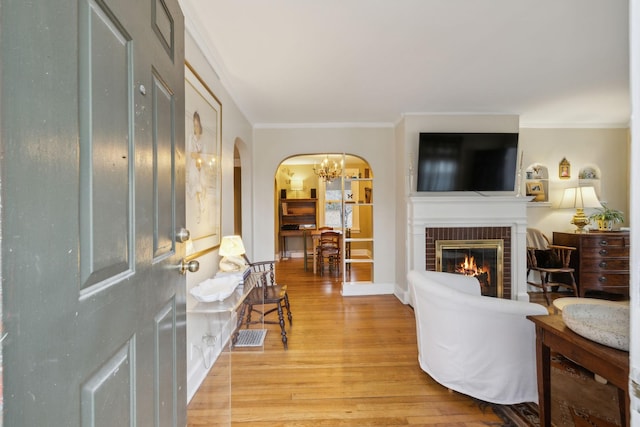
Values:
[(480, 346)]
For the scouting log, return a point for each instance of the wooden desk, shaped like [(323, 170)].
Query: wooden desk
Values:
[(612, 364), (303, 233)]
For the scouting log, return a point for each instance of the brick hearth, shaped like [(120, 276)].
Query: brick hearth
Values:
[(471, 233)]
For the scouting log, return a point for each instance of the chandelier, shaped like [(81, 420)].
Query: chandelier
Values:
[(326, 171)]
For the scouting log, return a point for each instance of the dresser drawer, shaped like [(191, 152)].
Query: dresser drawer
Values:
[(607, 264), (605, 241), (604, 252), (596, 280)]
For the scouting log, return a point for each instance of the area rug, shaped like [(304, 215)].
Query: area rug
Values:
[(577, 399)]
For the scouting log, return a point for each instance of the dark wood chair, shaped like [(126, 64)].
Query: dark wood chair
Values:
[(268, 297), (551, 262), (347, 249), (329, 251)]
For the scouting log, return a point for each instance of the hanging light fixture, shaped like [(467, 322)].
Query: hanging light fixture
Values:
[(326, 171)]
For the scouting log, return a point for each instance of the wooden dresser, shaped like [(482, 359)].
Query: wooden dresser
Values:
[(601, 260)]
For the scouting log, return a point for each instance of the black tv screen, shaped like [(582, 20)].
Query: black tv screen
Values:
[(467, 161)]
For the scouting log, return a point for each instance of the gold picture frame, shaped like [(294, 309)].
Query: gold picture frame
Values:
[(564, 169), (203, 147), (536, 188)]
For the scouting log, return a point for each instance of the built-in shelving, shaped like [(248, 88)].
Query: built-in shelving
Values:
[(537, 183), (298, 214), (358, 241)]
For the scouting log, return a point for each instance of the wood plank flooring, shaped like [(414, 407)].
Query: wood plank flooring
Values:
[(352, 361)]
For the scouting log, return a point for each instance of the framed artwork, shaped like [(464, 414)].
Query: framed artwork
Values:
[(203, 141), (564, 169), (536, 188)]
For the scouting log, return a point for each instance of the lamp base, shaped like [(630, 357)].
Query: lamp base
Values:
[(580, 220), (231, 264)]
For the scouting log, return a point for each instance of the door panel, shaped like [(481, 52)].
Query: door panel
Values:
[(93, 171), (163, 25), (163, 149), (107, 397), (165, 366), (105, 147)]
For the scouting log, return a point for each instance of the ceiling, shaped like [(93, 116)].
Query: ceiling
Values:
[(299, 62)]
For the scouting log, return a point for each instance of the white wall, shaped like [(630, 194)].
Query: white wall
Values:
[(235, 128), (608, 149)]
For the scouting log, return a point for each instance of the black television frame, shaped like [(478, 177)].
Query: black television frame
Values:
[(480, 162)]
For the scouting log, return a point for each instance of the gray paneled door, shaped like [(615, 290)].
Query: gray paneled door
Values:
[(92, 199)]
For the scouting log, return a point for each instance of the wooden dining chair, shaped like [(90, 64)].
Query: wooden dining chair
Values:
[(329, 251), (550, 261)]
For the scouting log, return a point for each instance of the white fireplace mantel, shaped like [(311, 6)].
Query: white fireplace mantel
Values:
[(470, 210)]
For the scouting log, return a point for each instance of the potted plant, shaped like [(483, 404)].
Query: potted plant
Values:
[(605, 217)]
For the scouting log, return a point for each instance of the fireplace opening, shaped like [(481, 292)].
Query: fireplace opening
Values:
[(482, 259)]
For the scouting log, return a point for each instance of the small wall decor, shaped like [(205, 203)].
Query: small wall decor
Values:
[(536, 188), (564, 171), (588, 173)]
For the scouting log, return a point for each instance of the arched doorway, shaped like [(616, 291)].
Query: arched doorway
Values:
[(237, 192), (326, 190)]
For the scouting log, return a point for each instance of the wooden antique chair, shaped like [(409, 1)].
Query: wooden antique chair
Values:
[(550, 261), (329, 251), (268, 297)]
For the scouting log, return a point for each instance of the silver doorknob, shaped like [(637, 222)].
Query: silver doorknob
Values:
[(190, 266), (183, 235)]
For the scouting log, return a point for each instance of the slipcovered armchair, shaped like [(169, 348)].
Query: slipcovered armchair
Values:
[(480, 346)]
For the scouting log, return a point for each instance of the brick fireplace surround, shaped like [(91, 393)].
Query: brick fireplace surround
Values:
[(472, 233), (470, 217)]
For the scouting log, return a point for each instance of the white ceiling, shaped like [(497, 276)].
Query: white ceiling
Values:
[(553, 62)]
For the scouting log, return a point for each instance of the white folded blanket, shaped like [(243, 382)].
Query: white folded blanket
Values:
[(215, 289)]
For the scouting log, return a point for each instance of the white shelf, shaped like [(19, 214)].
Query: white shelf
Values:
[(539, 205)]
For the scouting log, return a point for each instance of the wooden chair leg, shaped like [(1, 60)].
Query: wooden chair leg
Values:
[(573, 285), (286, 305), (250, 309), (544, 278)]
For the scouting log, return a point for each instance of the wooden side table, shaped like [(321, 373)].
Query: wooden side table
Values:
[(609, 363)]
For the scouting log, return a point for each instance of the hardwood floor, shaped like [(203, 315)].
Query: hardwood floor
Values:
[(352, 361)]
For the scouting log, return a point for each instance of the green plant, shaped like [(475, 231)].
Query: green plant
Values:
[(607, 214)]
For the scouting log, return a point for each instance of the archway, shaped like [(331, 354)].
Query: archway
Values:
[(340, 198), (237, 192)]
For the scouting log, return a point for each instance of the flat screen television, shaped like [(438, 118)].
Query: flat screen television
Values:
[(467, 161)]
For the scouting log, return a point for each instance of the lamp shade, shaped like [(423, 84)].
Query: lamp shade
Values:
[(296, 184), (579, 198), (231, 246)]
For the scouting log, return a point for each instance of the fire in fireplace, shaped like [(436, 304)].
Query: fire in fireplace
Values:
[(482, 259)]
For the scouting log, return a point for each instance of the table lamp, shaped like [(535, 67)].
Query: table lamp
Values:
[(232, 251), (579, 198)]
